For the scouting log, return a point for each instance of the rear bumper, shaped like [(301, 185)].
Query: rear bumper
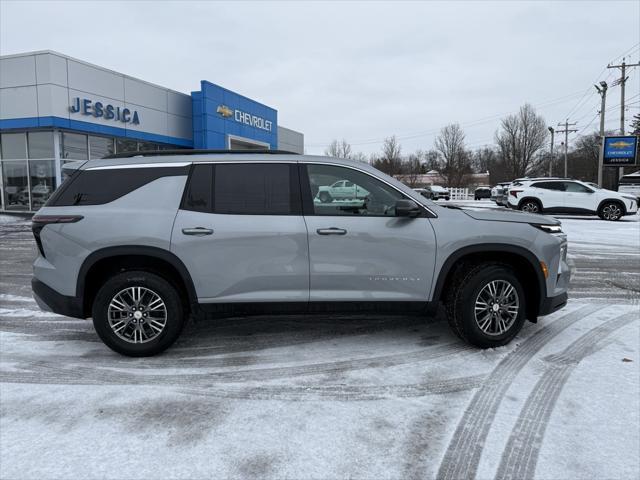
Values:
[(51, 301), (552, 304)]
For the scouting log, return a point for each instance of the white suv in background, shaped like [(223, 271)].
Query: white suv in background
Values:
[(569, 196)]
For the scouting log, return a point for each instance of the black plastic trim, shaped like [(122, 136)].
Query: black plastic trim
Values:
[(58, 303), (552, 304), (154, 252), (491, 248)]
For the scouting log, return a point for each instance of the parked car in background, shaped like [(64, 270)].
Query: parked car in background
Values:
[(570, 196), (498, 194), (630, 185), (341, 190), (425, 192), (212, 234), (439, 192), (482, 192)]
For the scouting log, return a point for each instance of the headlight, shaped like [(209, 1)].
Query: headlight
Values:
[(552, 229)]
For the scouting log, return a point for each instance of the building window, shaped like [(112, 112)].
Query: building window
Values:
[(14, 146), (100, 147), (124, 145), (74, 146), (16, 184), (42, 173), (40, 144)]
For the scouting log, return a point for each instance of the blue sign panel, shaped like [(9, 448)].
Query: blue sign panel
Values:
[(220, 115), (620, 151)]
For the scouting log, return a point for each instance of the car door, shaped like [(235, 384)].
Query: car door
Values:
[(241, 235), (360, 250), (578, 197), (550, 194)]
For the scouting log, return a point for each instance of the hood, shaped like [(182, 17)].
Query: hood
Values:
[(511, 216)]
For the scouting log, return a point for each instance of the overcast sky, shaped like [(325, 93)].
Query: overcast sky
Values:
[(361, 70)]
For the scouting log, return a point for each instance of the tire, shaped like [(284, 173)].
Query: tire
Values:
[(114, 304), (471, 284), (325, 197), (611, 211), (531, 206), (446, 198)]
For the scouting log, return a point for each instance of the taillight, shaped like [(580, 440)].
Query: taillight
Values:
[(515, 193), (38, 222)]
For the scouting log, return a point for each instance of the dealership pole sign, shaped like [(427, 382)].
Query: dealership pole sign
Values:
[(620, 151), (86, 106)]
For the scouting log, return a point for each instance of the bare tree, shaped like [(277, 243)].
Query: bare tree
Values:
[(412, 168), (483, 159), (339, 149), (457, 160), (390, 162), (520, 139)]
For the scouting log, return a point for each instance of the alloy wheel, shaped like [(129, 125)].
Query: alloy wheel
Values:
[(496, 307), (530, 207), (611, 211), (137, 314)]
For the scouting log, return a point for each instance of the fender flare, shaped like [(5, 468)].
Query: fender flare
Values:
[(451, 260), (615, 200), (537, 200), (147, 251)]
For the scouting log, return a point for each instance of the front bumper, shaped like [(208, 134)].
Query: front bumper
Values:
[(552, 304), (51, 301)]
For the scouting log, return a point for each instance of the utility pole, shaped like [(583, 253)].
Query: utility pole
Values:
[(602, 90), (551, 160), (566, 132), (622, 80)]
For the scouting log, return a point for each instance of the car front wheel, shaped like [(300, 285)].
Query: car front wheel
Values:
[(486, 305), (325, 197), (138, 313), (610, 211)]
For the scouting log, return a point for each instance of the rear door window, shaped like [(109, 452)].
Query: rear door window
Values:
[(244, 189)]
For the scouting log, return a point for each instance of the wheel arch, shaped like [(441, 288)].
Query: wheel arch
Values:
[(525, 263), (108, 261), (526, 199), (612, 200)]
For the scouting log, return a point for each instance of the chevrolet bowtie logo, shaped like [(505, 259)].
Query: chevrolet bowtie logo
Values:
[(621, 144), (224, 111)]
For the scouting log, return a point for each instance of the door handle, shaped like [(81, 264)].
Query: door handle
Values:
[(331, 231), (197, 231)]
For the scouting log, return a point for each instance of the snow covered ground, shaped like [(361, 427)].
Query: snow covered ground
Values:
[(331, 397)]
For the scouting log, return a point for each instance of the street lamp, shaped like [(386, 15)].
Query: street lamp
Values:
[(551, 161)]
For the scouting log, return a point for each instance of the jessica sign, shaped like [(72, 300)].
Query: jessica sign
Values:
[(99, 110)]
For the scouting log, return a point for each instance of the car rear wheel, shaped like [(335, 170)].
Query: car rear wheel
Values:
[(531, 206), (610, 211), (486, 305), (138, 313)]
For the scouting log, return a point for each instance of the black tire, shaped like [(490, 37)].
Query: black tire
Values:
[(530, 205), (325, 197), (611, 211), (173, 307), (460, 302)]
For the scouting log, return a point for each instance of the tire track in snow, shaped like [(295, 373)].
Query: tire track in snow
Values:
[(462, 456), (52, 372), (520, 456)]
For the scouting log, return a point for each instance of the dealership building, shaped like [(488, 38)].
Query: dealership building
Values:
[(55, 109)]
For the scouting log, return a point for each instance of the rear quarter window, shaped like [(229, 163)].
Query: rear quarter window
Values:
[(97, 187)]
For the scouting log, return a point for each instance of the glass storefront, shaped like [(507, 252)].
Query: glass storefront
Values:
[(28, 163)]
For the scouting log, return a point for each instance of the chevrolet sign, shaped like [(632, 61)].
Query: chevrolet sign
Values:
[(245, 118)]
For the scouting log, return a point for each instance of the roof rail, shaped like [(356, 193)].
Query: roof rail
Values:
[(188, 151)]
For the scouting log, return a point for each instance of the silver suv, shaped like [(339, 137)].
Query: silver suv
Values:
[(141, 242)]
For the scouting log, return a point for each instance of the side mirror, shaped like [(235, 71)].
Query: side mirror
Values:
[(407, 208)]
